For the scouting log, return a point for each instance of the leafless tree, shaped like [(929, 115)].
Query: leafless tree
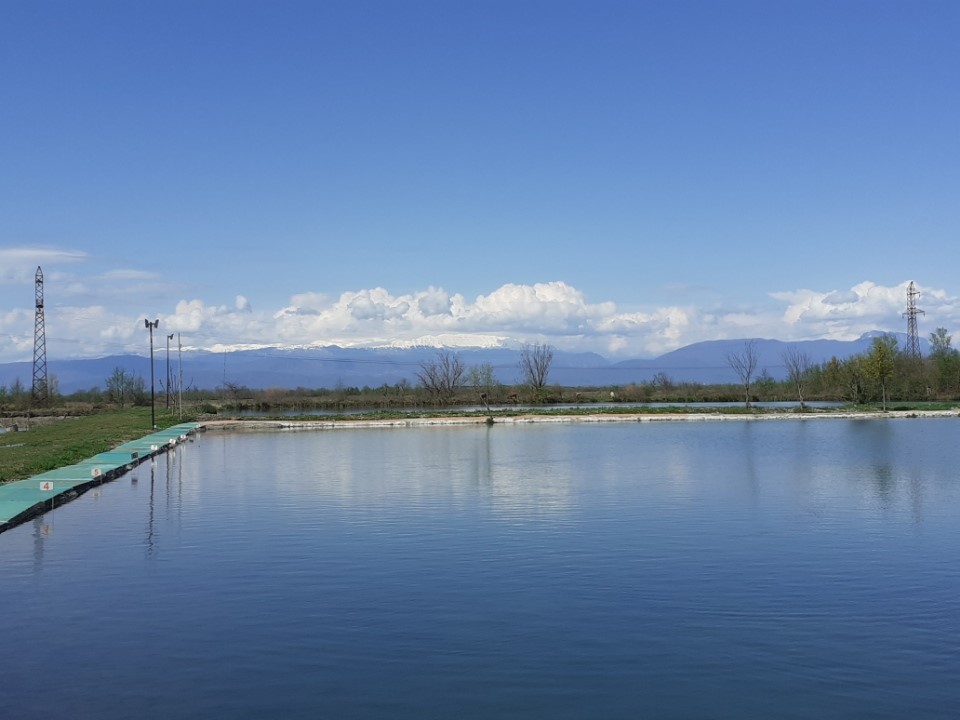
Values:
[(124, 387), (798, 364), (117, 385), (535, 363), (443, 376), (744, 364)]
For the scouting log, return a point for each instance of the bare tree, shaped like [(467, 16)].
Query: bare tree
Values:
[(235, 391), (124, 387), (535, 363), (117, 385), (443, 376), (798, 364), (744, 364)]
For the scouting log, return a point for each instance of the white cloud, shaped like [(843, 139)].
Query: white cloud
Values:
[(552, 312), (847, 314), (308, 301), (18, 265), (434, 301), (128, 274), (33, 256)]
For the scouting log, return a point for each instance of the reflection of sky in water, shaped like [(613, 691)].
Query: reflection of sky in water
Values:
[(818, 473), (418, 572), (536, 471), (532, 474)]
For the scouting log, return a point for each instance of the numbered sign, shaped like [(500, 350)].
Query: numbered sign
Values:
[(46, 485)]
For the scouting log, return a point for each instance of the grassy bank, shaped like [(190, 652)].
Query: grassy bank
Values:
[(55, 444)]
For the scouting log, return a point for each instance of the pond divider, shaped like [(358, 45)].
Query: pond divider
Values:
[(24, 499)]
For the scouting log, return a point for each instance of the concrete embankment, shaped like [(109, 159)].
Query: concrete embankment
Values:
[(23, 499), (496, 419)]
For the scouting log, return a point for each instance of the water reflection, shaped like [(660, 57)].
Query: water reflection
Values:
[(150, 509), (474, 571), (531, 473), (41, 531)]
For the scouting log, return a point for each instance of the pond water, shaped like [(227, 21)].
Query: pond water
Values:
[(788, 569)]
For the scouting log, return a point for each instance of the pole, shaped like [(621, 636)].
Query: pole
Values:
[(153, 398), (180, 381), (169, 338)]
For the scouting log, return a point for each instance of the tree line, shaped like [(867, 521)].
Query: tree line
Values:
[(884, 373)]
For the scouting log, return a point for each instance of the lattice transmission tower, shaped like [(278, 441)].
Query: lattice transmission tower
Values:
[(913, 337), (41, 389)]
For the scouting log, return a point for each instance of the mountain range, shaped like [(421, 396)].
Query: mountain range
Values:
[(333, 366)]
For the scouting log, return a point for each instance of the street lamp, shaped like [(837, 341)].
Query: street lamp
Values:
[(169, 338), (153, 407)]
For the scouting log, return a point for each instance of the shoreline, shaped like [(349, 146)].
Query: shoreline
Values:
[(263, 425)]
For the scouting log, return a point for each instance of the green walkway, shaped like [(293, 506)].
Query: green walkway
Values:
[(24, 499)]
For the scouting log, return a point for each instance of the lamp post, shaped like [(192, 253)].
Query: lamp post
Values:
[(180, 379), (169, 338), (153, 407)]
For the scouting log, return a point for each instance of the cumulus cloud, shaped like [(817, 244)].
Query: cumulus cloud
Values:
[(310, 301), (840, 298), (544, 307), (541, 312), (847, 314), (434, 301), (551, 312), (216, 324), (376, 305)]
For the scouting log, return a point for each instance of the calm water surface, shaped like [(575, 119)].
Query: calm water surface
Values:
[(793, 569)]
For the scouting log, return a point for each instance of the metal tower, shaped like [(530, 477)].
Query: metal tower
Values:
[(41, 390), (913, 337)]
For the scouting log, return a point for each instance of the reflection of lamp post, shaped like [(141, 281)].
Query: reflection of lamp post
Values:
[(153, 407), (180, 378), (169, 338)]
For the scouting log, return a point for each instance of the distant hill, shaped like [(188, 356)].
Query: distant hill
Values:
[(706, 361), (334, 366)]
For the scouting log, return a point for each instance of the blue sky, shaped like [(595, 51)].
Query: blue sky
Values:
[(622, 177)]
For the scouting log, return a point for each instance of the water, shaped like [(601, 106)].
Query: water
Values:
[(788, 569)]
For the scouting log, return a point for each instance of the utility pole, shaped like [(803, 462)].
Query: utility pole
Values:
[(153, 401), (913, 336), (169, 338), (180, 381), (40, 390)]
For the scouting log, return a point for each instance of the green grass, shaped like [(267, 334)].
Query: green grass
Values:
[(68, 441)]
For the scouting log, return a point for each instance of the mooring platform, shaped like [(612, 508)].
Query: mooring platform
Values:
[(21, 500)]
